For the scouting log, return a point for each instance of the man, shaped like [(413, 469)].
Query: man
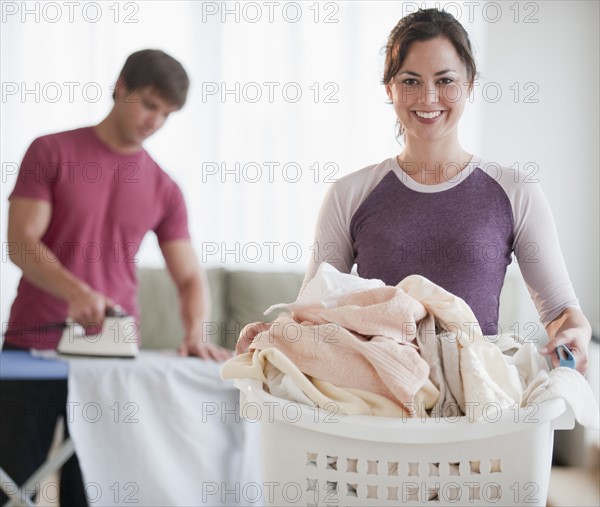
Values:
[(83, 201)]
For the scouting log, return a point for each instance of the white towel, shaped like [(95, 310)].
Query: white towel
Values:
[(570, 385)]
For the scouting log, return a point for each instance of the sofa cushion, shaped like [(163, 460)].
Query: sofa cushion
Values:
[(160, 315), (250, 293)]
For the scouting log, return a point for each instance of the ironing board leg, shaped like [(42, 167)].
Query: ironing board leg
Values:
[(10, 488), (17, 496)]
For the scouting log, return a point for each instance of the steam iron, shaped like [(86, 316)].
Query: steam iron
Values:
[(118, 337)]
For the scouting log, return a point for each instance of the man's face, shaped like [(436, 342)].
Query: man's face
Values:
[(140, 113)]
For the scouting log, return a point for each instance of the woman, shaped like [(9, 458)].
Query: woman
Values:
[(440, 212)]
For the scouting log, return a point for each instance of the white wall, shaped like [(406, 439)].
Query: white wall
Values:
[(558, 56), (556, 62)]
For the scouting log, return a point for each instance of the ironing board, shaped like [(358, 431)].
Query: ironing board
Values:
[(21, 365), (185, 423)]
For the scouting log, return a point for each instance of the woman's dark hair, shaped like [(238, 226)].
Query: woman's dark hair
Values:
[(424, 25), (155, 68)]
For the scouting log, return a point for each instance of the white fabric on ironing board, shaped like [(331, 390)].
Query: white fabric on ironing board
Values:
[(169, 431)]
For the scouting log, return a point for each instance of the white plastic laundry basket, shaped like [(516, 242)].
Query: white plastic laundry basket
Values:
[(312, 457)]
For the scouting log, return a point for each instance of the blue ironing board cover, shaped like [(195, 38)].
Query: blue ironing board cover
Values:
[(21, 365)]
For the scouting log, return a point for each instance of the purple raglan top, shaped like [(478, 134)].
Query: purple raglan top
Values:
[(460, 234)]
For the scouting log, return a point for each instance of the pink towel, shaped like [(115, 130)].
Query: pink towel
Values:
[(323, 344), (387, 311)]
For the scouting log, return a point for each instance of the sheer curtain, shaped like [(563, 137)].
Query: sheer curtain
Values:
[(286, 97)]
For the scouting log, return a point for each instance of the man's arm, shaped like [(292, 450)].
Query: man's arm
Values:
[(194, 298), (28, 220), (572, 329)]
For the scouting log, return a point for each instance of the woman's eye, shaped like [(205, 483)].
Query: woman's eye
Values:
[(409, 82), (446, 81)]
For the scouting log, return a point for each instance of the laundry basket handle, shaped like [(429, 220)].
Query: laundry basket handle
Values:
[(565, 421), (553, 412)]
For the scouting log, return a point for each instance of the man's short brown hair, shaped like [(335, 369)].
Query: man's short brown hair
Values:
[(155, 68)]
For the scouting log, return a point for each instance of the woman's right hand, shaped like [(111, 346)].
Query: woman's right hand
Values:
[(248, 334)]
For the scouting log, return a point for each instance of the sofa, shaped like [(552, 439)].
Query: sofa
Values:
[(238, 298)]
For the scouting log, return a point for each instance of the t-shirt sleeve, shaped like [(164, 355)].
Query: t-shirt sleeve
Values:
[(38, 171), (538, 252), (173, 224), (333, 238), (333, 243)]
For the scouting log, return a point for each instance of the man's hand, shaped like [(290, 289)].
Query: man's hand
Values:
[(194, 296), (88, 307), (196, 344)]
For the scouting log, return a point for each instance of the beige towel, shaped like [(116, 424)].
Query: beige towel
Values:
[(286, 381), (338, 310), (487, 378), (330, 353)]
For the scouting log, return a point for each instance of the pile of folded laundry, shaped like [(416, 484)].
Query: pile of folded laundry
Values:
[(414, 349)]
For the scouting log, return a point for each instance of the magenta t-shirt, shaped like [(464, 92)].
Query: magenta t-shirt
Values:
[(103, 203)]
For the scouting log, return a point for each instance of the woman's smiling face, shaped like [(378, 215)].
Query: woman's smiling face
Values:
[(430, 90)]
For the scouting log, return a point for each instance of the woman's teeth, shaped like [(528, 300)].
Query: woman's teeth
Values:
[(433, 114)]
